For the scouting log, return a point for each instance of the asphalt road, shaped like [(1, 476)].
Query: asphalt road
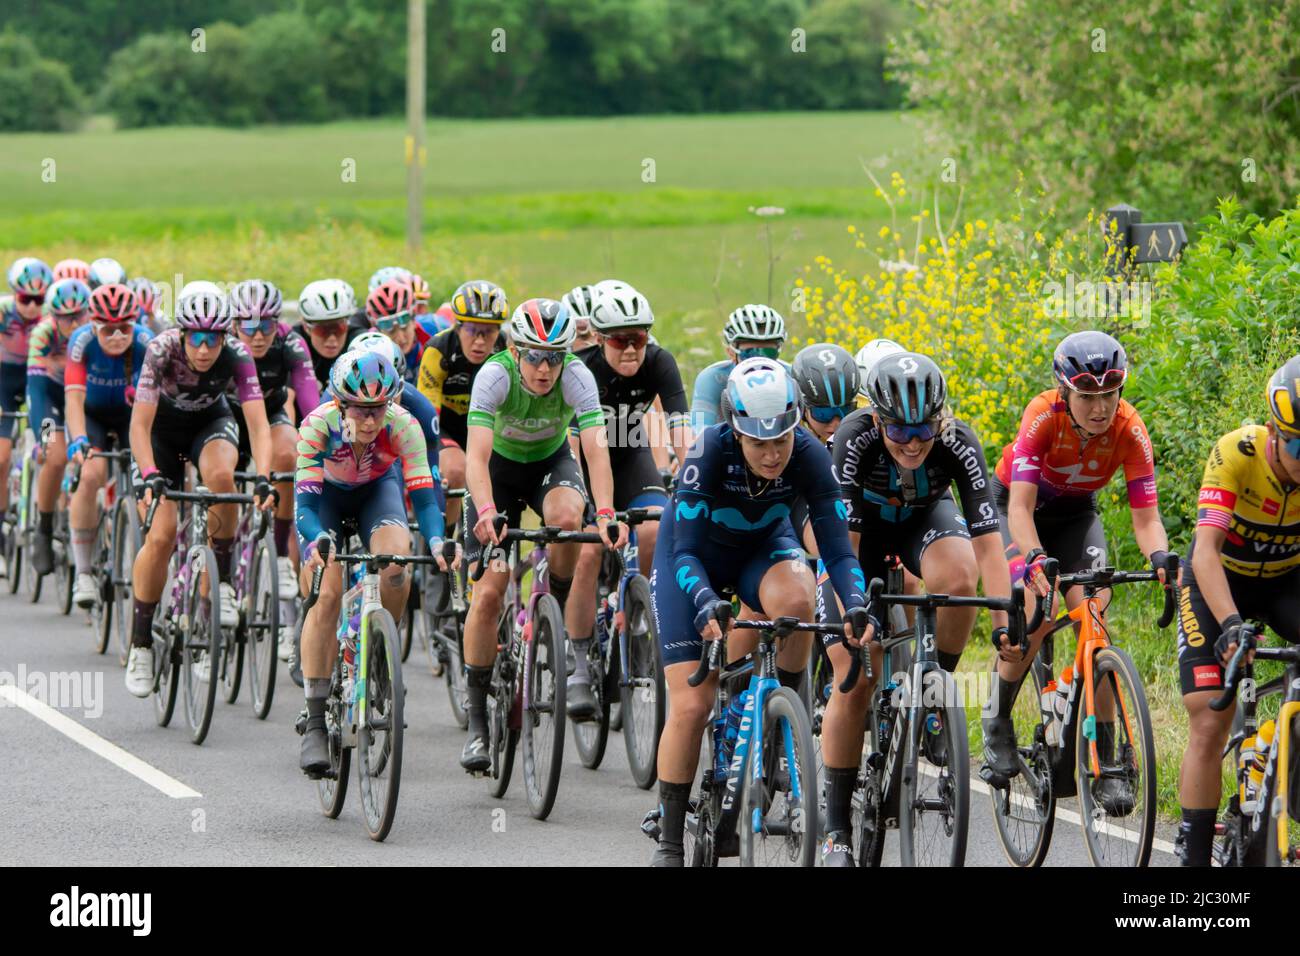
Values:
[(94, 780)]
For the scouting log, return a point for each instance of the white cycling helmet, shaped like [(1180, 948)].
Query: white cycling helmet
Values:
[(754, 323), (761, 399), (376, 341), (325, 300), (200, 287), (619, 306), (869, 355), (388, 274), (105, 271)]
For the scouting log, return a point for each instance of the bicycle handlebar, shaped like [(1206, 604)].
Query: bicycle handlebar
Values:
[(709, 652), (204, 497), (1249, 634), (324, 544)]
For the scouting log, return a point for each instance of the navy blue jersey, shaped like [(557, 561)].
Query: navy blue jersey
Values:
[(720, 502)]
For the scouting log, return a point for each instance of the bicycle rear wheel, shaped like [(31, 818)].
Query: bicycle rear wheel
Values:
[(503, 720), (644, 696), (13, 547), (778, 820), (166, 649), (101, 612), (262, 626), (934, 799), (592, 736), (232, 666), (543, 716), (63, 573), (1025, 812), (332, 788), (379, 737), (126, 532), (202, 647), (1119, 806)]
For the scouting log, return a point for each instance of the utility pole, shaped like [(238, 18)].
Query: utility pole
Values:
[(415, 151)]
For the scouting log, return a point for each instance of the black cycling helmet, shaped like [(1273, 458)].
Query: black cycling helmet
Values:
[(1090, 362), (907, 388), (827, 376)]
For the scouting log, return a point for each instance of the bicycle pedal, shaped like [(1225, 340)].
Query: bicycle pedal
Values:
[(993, 778), (650, 825)]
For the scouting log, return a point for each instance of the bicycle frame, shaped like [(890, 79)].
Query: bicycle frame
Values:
[(367, 592)]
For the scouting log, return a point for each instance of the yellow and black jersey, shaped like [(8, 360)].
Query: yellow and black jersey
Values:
[(446, 379), (1241, 494)]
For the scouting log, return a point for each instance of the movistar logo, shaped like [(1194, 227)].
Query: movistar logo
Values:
[(691, 511), (795, 553), (733, 518), (686, 580), (842, 509), (859, 577)]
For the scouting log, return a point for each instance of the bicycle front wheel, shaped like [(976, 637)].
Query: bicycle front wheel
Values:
[(34, 580), (934, 800), (126, 525), (379, 737), (332, 788), (262, 626), (543, 716), (1025, 811), (778, 819), (101, 612), (1280, 850), (642, 699), (63, 568), (1118, 805), (166, 649), (592, 736), (202, 648)]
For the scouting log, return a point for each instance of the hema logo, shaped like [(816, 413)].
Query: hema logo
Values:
[(103, 909)]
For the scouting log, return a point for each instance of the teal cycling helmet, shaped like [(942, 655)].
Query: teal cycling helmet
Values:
[(69, 297), (376, 341), (30, 276), (365, 378)]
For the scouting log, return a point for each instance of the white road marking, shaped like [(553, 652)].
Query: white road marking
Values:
[(97, 744)]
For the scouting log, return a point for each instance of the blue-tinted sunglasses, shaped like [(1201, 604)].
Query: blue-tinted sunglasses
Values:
[(551, 357), (365, 412), (824, 415), (253, 326), (766, 351), (199, 339), (902, 434), (390, 323)]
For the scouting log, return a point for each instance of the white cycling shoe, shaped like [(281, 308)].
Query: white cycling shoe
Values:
[(84, 590), (202, 669), (229, 609), (288, 579), (139, 672), (285, 650)]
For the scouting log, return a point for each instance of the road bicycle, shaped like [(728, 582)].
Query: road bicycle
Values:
[(365, 705), (187, 635), (527, 687), (117, 540), (914, 775), (15, 514), (1255, 828), (254, 576), (1092, 726), (22, 502), (624, 662)]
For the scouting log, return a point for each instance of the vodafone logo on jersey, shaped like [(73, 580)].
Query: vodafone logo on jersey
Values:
[(1217, 496)]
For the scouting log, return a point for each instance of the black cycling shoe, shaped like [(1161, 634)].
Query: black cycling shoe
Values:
[(580, 701), (669, 854), (314, 758), (43, 553), (1114, 795), (1001, 758), (474, 758), (837, 849)]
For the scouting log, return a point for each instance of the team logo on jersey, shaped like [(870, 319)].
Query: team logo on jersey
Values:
[(1270, 507), (1217, 496)]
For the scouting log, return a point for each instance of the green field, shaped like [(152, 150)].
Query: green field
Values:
[(542, 203)]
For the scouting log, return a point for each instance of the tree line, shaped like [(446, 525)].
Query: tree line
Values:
[(236, 62)]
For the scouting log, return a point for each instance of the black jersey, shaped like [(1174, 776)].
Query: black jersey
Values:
[(876, 488), (320, 365), (626, 398)]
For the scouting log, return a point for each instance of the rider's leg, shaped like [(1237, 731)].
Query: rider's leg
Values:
[(948, 567), (284, 456), (83, 513), (216, 460), (149, 571)]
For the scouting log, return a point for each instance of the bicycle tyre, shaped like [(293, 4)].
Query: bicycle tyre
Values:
[(34, 580), (503, 720), (126, 544), (262, 626), (202, 637), (543, 715), (643, 700), (13, 548), (63, 573), (785, 719), (101, 612), (166, 650), (953, 788), (1114, 660), (333, 790), (232, 666), (592, 736), (385, 704), (1031, 790)]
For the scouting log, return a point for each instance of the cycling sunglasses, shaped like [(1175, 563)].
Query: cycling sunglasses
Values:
[(390, 323), (765, 351), (253, 326), (551, 357), (331, 330), (1292, 446), (199, 339), (481, 330), (71, 316), (113, 329), (25, 299), (902, 434), (825, 414), (366, 412), (1094, 384), (622, 341)]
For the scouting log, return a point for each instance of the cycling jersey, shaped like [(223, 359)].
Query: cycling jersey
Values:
[(1049, 452), (325, 458), (47, 354), (15, 332), (706, 401), (170, 382), (108, 380), (446, 378), (625, 399), (876, 488), (419, 408), (287, 364), (1243, 495), (321, 365), (532, 427)]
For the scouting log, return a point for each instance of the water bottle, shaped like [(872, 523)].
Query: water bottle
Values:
[(1051, 722), (1246, 763), (719, 754), (1063, 688), (735, 710), (1263, 743)]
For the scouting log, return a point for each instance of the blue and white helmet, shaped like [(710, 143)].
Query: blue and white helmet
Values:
[(388, 274), (761, 400), (376, 341)]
